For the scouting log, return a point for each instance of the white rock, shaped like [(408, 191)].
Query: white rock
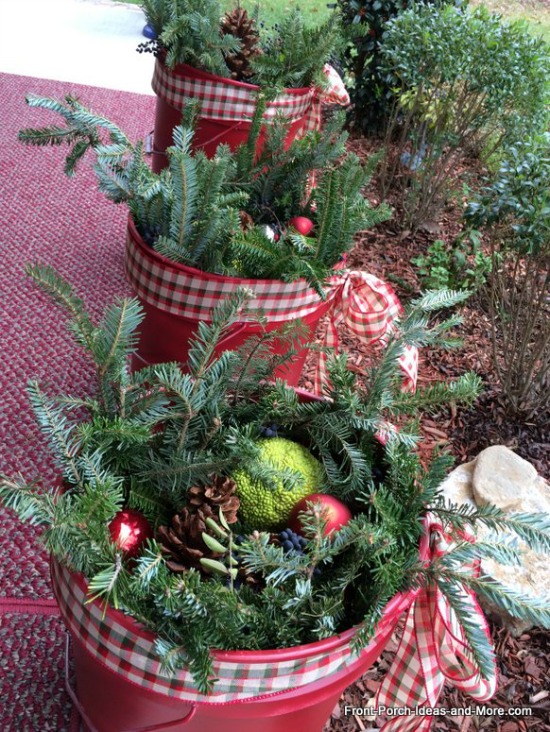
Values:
[(457, 487), (500, 477)]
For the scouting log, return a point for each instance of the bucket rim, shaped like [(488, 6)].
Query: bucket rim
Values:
[(393, 609), (168, 263), (186, 70)]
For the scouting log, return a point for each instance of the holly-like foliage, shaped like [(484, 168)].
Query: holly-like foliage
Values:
[(514, 213), (372, 87), (149, 440), (465, 80)]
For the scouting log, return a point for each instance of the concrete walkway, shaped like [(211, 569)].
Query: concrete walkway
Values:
[(90, 42)]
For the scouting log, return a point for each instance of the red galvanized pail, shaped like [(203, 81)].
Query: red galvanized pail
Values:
[(176, 298), (226, 109), (120, 687)]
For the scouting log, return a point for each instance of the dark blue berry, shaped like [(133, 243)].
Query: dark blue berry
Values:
[(292, 542), (268, 432)]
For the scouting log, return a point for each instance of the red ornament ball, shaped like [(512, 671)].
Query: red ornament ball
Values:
[(129, 530), (335, 513), (302, 225)]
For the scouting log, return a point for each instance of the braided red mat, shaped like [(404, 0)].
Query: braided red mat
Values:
[(48, 218)]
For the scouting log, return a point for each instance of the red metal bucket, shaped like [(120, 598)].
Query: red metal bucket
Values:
[(112, 702), (176, 298), (226, 107)]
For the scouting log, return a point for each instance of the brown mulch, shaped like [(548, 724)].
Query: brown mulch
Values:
[(523, 694), (524, 662)]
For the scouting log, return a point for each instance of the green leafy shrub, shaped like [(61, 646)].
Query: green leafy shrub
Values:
[(461, 265), (515, 212), (463, 77), (371, 86)]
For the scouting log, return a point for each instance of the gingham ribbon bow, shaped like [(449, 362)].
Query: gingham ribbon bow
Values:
[(433, 650), (334, 93), (368, 307), (221, 99), (366, 304)]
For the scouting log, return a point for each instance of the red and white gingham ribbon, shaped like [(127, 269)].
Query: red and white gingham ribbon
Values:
[(433, 650), (126, 648), (369, 308), (228, 100), (367, 305)]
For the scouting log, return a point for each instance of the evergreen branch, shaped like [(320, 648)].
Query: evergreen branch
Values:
[(433, 300), (21, 497), (61, 434), (116, 337), (55, 286), (203, 347), (149, 565), (450, 584), (534, 609), (503, 550), (533, 529), (48, 136), (184, 171), (465, 390), (104, 584)]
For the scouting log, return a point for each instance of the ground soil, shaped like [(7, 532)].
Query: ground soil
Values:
[(524, 662)]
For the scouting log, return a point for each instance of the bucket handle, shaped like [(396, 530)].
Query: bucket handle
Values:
[(150, 144), (235, 331), (91, 726)]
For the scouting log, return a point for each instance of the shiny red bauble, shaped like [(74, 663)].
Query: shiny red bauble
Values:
[(302, 225), (335, 513), (129, 530)]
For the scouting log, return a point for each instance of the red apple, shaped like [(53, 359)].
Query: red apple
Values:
[(335, 513), (302, 225)]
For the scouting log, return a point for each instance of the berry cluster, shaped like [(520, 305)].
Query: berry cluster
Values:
[(292, 542), (150, 234), (150, 46), (270, 431)]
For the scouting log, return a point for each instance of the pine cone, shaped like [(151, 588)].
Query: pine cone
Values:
[(247, 222), (182, 541), (219, 494), (239, 24)]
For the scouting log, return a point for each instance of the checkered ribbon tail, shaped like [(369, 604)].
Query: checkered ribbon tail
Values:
[(433, 650), (369, 308), (126, 649), (221, 99)]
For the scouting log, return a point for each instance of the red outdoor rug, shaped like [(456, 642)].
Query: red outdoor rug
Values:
[(67, 223)]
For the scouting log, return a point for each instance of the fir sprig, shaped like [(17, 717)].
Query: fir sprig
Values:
[(147, 437), (292, 54), (217, 214)]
